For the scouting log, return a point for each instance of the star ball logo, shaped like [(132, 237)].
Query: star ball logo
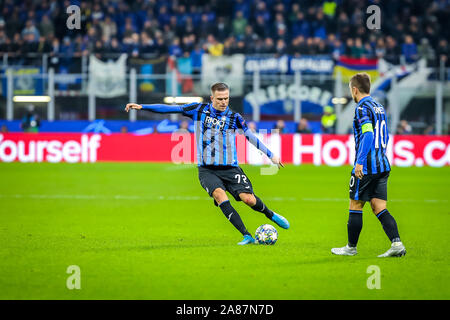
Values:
[(74, 19)]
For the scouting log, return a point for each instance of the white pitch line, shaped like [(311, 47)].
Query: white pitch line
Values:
[(324, 199), (390, 200), (187, 198), (119, 197)]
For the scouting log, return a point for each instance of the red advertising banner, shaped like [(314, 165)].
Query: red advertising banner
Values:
[(331, 150)]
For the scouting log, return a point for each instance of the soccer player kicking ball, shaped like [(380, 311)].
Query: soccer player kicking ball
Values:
[(218, 170), (369, 177)]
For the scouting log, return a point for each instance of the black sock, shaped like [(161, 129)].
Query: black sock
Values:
[(389, 225), (354, 226), (233, 217), (261, 207)]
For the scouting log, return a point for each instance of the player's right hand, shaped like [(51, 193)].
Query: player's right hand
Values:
[(132, 106)]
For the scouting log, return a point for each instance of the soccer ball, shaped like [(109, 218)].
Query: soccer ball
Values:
[(266, 234)]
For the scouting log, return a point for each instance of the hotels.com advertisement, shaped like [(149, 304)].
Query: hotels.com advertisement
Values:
[(331, 150)]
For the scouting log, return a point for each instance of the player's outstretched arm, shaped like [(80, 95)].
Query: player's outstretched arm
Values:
[(260, 146), (242, 125), (158, 108)]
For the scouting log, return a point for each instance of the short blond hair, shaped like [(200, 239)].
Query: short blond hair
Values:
[(219, 86)]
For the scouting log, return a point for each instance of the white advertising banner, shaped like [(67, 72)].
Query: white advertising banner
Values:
[(108, 79), (228, 69)]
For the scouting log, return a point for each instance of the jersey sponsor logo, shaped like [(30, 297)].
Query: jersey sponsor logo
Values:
[(209, 121)]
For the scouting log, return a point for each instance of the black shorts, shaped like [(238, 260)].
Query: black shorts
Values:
[(228, 178), (370, 186)]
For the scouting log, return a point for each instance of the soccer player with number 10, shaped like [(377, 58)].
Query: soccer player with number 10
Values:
[(369, 177)]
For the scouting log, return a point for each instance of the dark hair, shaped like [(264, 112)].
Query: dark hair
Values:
[(361, 81), (219, 86)]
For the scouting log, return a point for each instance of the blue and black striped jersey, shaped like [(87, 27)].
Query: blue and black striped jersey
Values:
[(215, 134), (370, 111)]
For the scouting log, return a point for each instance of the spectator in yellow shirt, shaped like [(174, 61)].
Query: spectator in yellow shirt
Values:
[(215, 48)]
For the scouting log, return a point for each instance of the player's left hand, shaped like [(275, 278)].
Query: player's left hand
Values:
[(276, 160), (359, 171)]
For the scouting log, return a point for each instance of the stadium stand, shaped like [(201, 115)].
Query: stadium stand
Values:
[(185, 27)]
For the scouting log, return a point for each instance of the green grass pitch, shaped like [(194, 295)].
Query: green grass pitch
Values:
[(149, 231)]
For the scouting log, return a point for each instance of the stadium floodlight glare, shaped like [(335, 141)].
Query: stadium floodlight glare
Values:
[(182, 100), (32, 99), (337, 100)]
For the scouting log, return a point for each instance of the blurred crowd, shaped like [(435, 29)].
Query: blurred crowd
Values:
[(150, 28)]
